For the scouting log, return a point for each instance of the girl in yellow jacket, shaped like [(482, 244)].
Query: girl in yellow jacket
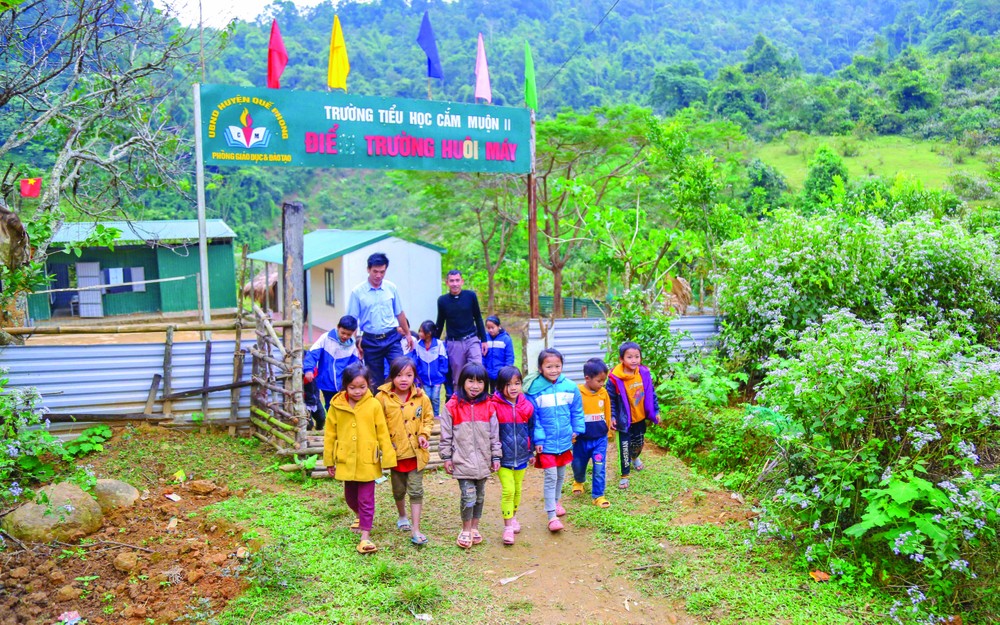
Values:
[(410, 416), (356, 447)]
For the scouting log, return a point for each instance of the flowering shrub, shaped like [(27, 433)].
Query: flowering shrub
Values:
[(27, 452), (883, 424), (798, 269)]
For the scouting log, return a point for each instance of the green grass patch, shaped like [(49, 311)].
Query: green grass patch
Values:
[(928, 161), (719, 571)]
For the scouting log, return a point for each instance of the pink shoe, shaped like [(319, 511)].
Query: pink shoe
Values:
[(555, 525), (515, 525), (560, 511), (508, 535)]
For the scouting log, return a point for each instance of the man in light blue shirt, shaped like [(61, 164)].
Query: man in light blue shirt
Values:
[(376, 305)]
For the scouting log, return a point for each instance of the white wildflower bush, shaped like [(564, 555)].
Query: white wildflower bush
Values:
[(796, 269), (886, 428)]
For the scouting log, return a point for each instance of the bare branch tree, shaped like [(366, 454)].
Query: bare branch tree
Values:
[(85, 93), (86, 83)]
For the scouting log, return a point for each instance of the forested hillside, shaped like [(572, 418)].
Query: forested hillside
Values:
[(920, 68)]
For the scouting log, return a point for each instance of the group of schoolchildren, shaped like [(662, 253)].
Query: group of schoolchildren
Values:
[(496, 421)]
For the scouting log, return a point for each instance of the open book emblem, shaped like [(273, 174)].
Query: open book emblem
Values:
[(247, 136)]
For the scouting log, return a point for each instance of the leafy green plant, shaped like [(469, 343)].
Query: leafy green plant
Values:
[(90, 441), (882, 461), (633, 317)]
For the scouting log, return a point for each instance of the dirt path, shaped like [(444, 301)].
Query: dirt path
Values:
[(575, 579)]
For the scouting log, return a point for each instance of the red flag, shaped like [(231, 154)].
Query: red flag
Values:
[(277, 57), (31, 187)]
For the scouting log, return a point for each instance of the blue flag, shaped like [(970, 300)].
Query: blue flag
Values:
[(426, 41)]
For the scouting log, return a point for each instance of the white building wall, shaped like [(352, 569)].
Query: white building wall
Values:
[(321, 314), (414, 269)]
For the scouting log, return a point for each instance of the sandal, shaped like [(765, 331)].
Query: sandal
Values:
[(508, 535), (602, 502), (356, 526), (476, 537), (464, 540), (404, 525), (638, 465), (418, 539), (560, 511), (367, 546), (555, 525), (577, 488), (623, 483), (515, 525)]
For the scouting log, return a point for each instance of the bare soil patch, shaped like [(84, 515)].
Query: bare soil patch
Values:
[(171, 562), (708, 507)]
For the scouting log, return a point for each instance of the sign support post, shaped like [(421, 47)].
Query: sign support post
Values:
[(206, 307)]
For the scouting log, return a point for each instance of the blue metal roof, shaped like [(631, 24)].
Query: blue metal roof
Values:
[(321, 246), (145, 231)]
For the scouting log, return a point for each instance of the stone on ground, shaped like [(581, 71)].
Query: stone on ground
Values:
[(69, 515), (113, 494)]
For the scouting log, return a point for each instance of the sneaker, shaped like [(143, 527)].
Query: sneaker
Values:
[(638, 465), (560, 511), (515, 525), (555, 525), (508, 535)]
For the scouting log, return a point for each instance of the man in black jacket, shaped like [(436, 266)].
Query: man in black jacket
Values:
[(458, 309)]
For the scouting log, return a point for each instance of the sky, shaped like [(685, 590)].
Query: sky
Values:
[(218, 13)]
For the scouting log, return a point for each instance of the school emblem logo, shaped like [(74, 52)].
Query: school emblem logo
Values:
[(247, 136)]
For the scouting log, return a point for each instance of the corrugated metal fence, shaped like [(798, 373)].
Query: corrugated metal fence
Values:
[(115, 379), (581, 339)]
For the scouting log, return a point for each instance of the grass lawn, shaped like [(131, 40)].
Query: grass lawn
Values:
[(881, 156), (665, 546)]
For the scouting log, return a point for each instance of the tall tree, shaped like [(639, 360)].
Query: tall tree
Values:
[(82, 91), (581, 157), (83, 85)]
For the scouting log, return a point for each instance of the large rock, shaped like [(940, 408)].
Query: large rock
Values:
[(69, 515), (113, 494)]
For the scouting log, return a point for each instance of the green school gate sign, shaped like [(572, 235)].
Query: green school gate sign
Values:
[(281, 127)]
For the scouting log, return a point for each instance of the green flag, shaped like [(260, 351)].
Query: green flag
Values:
[(530, 90)]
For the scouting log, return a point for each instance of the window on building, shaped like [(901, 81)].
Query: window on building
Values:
[(330, 300), (124, 276)]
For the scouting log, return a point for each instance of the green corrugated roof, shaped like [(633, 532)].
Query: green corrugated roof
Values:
[(143, 231), (321, 246)]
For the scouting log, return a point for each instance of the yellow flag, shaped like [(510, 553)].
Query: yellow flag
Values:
[(340, 66)]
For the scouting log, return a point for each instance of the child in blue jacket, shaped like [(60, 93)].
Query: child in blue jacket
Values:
[(499, 350), (326, 360), (431, 359), (558, 416)]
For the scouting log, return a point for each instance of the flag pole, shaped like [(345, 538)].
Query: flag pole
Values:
[(533, 296)]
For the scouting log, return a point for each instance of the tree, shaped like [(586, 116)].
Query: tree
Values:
[(678, 86), (83, 85), (492, 206), (825, 168), (86, 81), (580, 159)]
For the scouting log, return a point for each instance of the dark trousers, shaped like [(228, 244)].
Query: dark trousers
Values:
[(379, 353), (630, 445)]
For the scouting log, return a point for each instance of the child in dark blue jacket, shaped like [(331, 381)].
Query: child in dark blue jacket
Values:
[(431, 359), (499, 350), (516, 416), (327, 359)]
